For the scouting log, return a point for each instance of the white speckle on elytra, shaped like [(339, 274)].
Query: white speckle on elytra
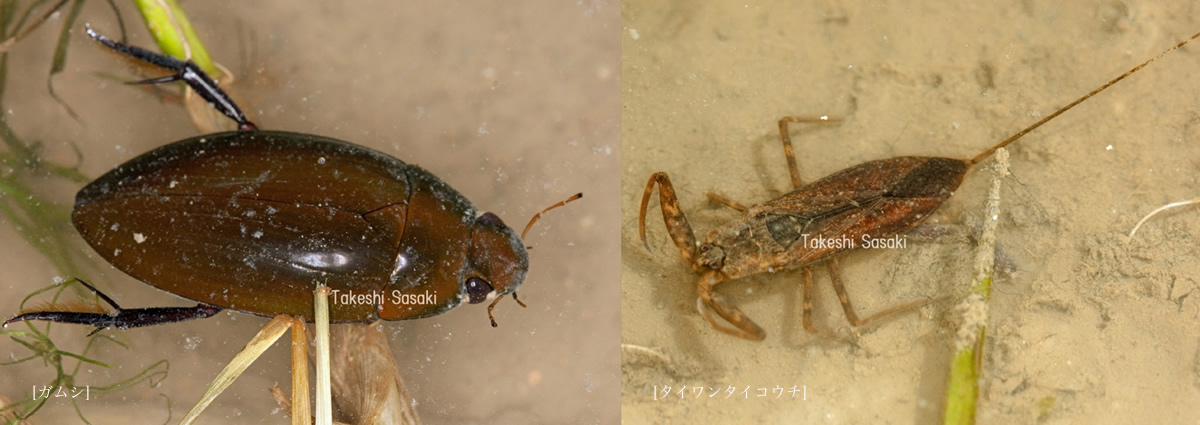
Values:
[(139, 238)]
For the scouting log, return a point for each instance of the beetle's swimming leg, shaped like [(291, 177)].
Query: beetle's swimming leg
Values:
[(122, 318), (673, 217), (186, 71), (744, 327), (847, 307)]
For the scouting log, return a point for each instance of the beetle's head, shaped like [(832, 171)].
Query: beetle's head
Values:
[(497, 261)]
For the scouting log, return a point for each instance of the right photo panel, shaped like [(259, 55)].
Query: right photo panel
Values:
[(910, 212)]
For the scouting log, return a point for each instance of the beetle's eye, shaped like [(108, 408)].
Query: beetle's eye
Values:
[(478, 290), (491, 219)]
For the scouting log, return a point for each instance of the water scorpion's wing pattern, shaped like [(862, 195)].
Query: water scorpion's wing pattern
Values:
[(855, 202)]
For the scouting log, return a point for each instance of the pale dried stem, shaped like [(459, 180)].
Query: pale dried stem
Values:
[(1156, 211), (974, 308)]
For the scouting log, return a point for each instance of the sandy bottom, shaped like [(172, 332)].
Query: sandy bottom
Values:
[(515, 105), (1088, 330)]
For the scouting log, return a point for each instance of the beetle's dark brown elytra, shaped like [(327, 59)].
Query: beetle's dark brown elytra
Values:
[(194, 214), (253, 220), (874, 200)]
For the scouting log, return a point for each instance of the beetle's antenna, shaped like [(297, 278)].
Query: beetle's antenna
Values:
[(539, 215), (523, 233)]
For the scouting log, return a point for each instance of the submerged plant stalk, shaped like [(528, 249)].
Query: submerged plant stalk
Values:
[(962, 393)]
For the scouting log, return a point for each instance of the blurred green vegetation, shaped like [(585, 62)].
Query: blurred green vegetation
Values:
[(42, 222)]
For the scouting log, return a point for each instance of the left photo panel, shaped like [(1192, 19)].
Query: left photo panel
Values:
[(217, 213)]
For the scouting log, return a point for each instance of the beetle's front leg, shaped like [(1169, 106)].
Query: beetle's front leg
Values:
[(745, 328), (677, 223)]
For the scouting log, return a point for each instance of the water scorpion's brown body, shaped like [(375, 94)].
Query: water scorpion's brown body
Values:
[(782, 234)]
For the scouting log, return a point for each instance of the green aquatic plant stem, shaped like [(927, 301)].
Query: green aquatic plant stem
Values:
[(173, 32), (39, 218), (962, 393)]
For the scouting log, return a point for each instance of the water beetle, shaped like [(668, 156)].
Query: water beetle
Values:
[(251, 220)]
